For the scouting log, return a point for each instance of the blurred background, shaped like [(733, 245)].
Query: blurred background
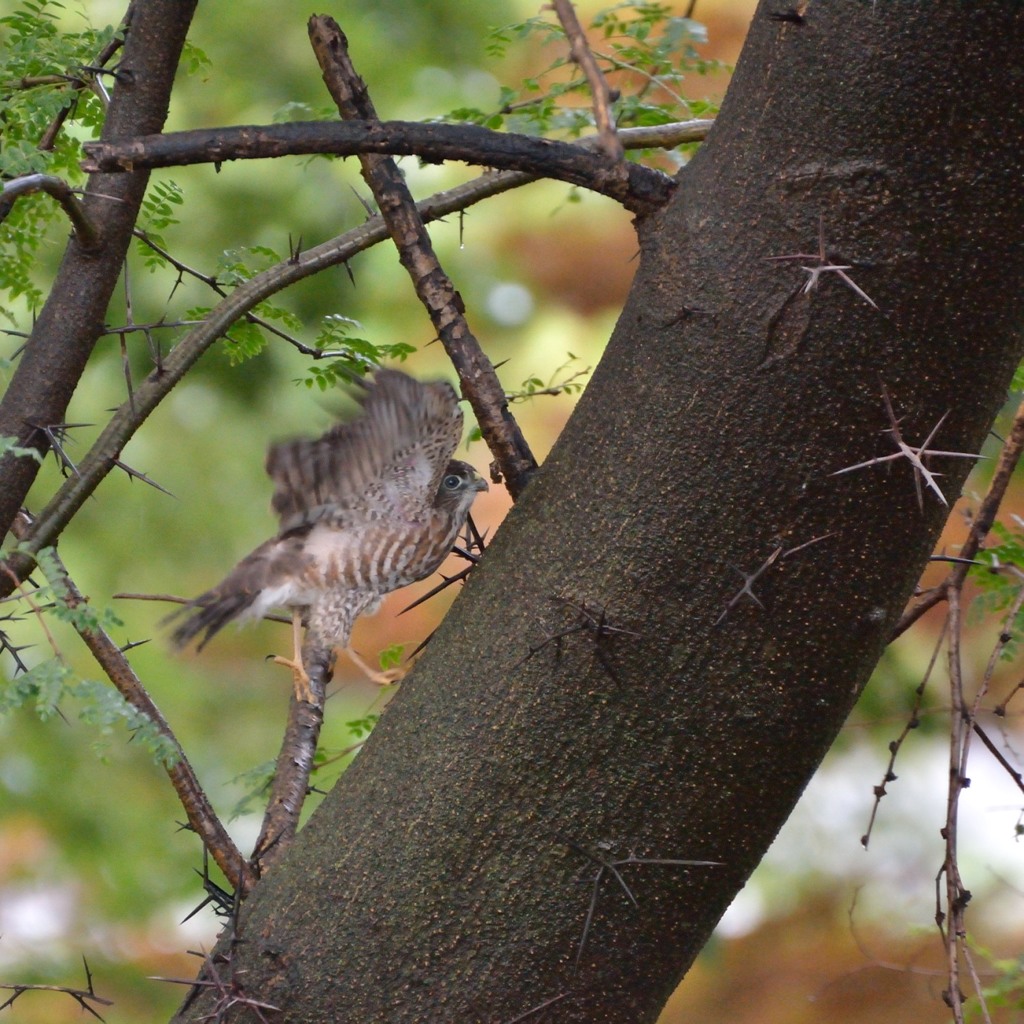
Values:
[(92, 861)]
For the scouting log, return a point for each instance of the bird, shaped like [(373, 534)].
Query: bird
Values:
[(373, 505)]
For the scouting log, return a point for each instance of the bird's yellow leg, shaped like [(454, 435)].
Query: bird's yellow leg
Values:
[(300, 678), (382, 677)]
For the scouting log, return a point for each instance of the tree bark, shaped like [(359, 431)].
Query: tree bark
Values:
[(73, 317), (587, 699)]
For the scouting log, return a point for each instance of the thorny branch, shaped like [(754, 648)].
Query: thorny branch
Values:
[(290, 785), (640, 189), (230, 991), (433, 287), (202, 818), (896, 745), (950, 921), (65, 332), (982, 524), (84, 997)]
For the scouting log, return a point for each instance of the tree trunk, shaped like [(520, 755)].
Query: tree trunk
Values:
[(593, 696), (71, 320)]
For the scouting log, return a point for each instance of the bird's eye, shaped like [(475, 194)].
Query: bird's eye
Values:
[(451, 481)]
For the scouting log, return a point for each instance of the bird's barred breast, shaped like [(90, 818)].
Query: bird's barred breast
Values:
[(377, 556)]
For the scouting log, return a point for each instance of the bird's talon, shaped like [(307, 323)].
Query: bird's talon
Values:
[(300, 678), (382, 677)]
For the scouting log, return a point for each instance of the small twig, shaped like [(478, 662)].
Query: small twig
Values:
[(579, 49), (950, 922), (184, 270), (85, 231), (1000, 708), (81, 996), (895, 745), (997, 754)]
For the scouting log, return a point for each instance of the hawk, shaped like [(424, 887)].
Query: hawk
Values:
[(373, 505)]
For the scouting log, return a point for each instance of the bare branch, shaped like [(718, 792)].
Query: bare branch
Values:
[(608, 140), (640, 189), (84, 997), (294, 763), (434, 288), (85, 231)]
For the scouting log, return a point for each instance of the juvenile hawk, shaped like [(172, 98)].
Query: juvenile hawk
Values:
[(371, 506)]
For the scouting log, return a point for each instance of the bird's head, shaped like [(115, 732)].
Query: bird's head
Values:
[(459, 486)]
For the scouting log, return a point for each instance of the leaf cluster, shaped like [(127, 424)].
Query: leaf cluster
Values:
[(1000, 579), (645, 53), (45, 82), (49, 686)]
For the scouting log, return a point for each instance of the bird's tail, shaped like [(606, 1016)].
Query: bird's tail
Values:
[(209, 612)]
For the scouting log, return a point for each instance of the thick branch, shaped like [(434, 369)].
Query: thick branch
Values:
[(640, 189), (290, 786), (434, 288), (72, 318)]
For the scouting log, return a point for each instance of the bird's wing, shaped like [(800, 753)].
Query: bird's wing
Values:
[(387, 462)]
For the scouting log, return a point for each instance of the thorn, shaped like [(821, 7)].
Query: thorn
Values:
[(134, 474)]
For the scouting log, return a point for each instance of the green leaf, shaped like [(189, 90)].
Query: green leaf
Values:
[(391, 657), (10, 446), (362, 727)]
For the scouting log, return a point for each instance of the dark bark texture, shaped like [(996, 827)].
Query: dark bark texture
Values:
[(73, 317), (585, 699), (638, 188)]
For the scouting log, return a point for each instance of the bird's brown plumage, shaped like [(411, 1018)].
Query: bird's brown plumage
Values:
[(372, 505)]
